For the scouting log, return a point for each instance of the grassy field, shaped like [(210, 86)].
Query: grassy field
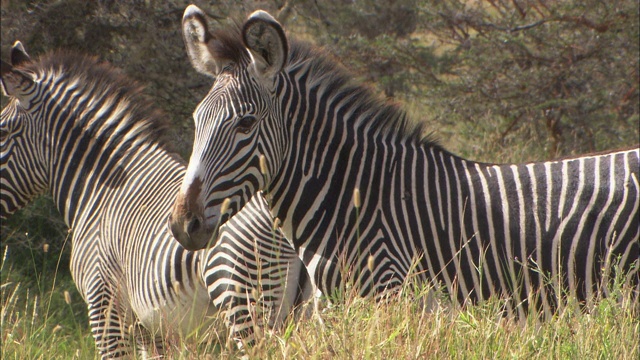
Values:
[(45, 318)]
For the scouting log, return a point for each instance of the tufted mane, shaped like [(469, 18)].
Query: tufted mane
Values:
[(103, 81), (384, 114), (227, 44)]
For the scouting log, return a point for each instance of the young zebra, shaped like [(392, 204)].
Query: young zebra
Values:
[(81, 129), (282, 117)]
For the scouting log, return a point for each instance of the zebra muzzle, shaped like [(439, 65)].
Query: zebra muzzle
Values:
[(189, 230)]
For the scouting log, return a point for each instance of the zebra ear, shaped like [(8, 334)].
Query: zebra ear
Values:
[(13, 81), (18, 55), (265, 39), (197, 39)]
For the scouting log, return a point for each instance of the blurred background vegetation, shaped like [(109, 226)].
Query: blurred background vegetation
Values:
[(497, 80)]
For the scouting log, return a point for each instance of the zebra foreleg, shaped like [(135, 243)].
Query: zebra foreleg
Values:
[(240, 321), (108, 326), (149, 346)]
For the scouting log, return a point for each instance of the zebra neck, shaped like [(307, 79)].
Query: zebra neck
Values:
[(86, 180), (385, 167)]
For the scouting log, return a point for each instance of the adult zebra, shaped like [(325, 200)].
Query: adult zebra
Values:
[(81, 129), (284, 119)]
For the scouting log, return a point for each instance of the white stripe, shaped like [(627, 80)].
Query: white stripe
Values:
[(587, 211), (492, 231), (433, 225), (455, 255), (414, 193), (523, 235), (563, 224), (555, 243), (611, 187), (614, 219), (465, 240), (507, 238), (549, 190), (538, 237), (438, 190), (473, 206)]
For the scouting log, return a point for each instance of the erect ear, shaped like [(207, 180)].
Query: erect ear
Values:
[(197, 39), (14, 82), (18, 55), (265, 39)]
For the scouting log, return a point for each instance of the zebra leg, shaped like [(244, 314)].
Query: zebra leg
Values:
[(108, 325), (254, 274), (278, 288), (297, 293), (149, 346), (243, 315), (316, 309)]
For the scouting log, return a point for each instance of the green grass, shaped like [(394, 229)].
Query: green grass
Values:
[(38, 323), (36, 320)]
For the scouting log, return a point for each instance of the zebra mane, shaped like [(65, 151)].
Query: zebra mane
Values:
[(388, 116), (383, 114), (104, 81)]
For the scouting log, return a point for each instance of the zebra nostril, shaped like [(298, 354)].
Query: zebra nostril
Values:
[(193, 226)]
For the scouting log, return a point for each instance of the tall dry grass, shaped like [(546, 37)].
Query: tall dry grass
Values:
[(42, 324)]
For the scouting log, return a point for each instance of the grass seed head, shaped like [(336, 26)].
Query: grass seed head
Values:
[(263, 165), (225, 205), (370, 263)]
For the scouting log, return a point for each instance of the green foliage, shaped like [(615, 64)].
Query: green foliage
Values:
[(36, 320), (26, 234), (548, 79)]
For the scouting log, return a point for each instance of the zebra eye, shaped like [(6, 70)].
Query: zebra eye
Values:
[(245, 124)]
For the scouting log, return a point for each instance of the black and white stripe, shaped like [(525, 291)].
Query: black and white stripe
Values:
[(520, 231), (80, 129)]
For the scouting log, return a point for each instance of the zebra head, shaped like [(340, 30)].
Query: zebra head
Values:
[(22, 174), (235, 146)]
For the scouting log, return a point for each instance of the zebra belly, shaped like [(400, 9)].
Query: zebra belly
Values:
[(177, 316)]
